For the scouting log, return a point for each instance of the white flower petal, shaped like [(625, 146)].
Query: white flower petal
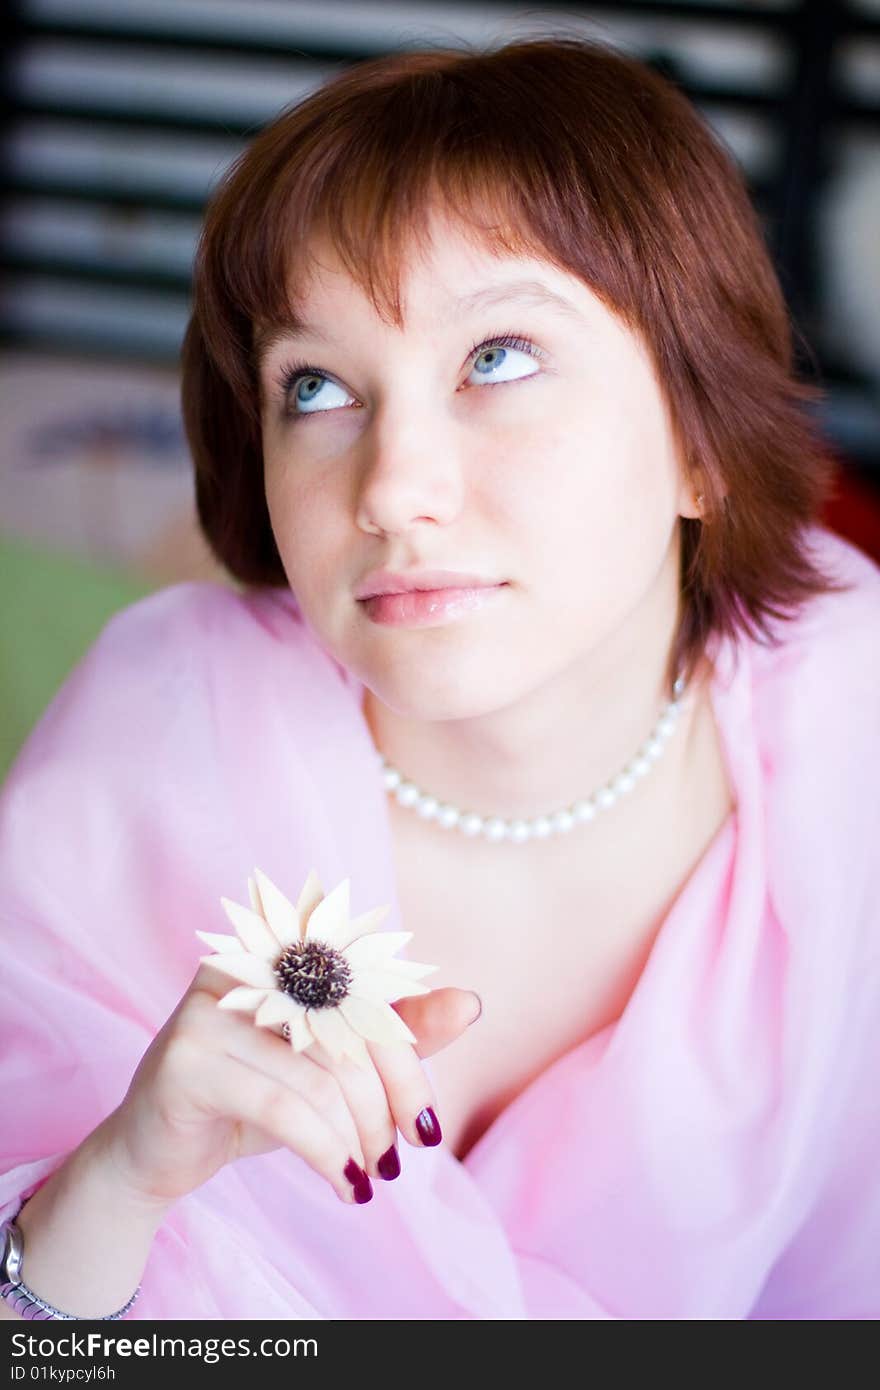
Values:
[(301, 1035), (248, 970), (277, 1007), (255, 935), (378, 1022), (330, 1030), (346, 1041), (376, 950), (310, 895), (329, 920), (254, 895), (412, 969), (219, 942), (367, 922), (244, 998), (384, 985), (279, 911)]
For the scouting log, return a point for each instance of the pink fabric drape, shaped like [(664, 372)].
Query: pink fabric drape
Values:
[(713, 1154)]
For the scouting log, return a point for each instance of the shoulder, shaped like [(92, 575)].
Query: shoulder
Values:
[(814, 690), (850, 614), (813, 717), (201, 619), (824, 662), (159, 665)]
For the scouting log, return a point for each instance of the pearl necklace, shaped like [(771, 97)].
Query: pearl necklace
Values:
[(496, 828)]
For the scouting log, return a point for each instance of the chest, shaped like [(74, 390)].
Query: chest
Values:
[(554, 955)]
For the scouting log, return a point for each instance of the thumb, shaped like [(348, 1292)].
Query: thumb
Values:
[(439, 1017)]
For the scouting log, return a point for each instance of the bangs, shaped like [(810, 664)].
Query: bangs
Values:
[(438, 134), (376, 239)]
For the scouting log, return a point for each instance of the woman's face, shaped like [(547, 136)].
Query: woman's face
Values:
[(547, 465)]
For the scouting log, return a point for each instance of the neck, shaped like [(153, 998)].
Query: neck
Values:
[(554, 745)]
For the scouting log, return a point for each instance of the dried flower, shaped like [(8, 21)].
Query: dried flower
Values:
[(313, 974)]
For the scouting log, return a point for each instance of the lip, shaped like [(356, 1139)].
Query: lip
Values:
[(390, 582), (429, 607)]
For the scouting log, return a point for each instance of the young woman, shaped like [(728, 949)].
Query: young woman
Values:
[(537, 640)]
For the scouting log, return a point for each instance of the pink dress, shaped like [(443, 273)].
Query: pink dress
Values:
[(715, 1153)]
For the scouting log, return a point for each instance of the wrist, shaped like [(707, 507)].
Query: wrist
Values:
[(79, 1243), (105, 1151)]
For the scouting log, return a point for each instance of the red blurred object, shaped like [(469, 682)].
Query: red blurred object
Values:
[(853, 510)]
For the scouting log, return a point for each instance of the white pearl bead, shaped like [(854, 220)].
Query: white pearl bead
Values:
[(653, 749), (585, 810), (407, 793), (639, 767), (471, 824), (623, 783), (495, 829), (520, 831), (666, 727), (606, 797), (427, 807), (391, 779), (562, 822), (448, 816), (541, 827)]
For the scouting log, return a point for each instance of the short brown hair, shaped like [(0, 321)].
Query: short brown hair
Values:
[(585, 156)]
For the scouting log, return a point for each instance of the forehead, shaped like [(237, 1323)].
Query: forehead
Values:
[(446, 276)]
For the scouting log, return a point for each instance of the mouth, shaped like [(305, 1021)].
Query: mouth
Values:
[(430, 607), (384, 581)]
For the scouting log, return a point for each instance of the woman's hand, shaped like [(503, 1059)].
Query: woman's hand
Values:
[(214, 1087)]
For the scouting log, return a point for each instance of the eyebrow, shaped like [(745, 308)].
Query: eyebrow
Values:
[(530, 292)]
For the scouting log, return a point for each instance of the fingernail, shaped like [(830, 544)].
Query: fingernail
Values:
[(428, 1126), (355, 1173), (363, 1191), (479, 1009), (389, 1164)]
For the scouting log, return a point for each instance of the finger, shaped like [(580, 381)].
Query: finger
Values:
[(211, 980), (272, 1056), (366, 1098), (407, 1089), (247, 1095), (438, 1018)]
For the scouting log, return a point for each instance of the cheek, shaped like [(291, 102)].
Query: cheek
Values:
[(565, 482), (624, 468), (302, 520), (593, 497)]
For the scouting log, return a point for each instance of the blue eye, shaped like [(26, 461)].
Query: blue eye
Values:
[(497, 362), (305, 388)]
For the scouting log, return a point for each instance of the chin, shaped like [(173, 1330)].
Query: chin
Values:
[(447, 697)]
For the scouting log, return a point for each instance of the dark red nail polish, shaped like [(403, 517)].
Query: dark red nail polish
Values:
[(363, 1191), (428, 1126), (355, 1173), (389, 1164)]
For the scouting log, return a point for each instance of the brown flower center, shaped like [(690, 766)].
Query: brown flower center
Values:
[(313, 974)]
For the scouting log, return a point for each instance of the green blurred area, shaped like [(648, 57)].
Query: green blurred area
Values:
[(52, 607)]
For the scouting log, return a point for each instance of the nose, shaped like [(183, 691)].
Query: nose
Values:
[(409, 472)]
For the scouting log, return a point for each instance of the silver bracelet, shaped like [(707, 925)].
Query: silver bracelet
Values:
[(15, 1291)]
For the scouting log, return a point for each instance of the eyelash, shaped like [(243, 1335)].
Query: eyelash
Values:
[(291, 373)]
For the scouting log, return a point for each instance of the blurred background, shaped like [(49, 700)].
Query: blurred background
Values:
[(119, 117)]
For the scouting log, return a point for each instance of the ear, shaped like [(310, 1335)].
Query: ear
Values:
[(691, 498)]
